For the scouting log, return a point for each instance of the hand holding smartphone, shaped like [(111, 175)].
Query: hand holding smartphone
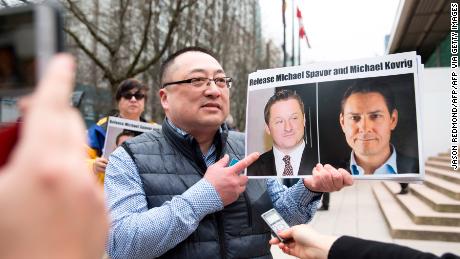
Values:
[(276, 223)]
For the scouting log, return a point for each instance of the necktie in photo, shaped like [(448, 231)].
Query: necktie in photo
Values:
[(287, 166)]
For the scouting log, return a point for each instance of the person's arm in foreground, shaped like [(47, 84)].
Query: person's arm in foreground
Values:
[(51, 206), (139, 232), (309, 244), (298, 204)]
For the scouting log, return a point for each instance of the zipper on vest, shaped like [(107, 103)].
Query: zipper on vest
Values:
[(248, 205), (221, 234)]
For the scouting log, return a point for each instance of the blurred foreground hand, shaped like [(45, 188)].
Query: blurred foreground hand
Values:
[(51, 205)]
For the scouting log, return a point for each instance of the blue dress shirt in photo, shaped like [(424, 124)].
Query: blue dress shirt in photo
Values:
[(389, 167)]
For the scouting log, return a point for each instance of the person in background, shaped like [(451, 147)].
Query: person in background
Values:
[(125, 135), (306, 243), (231, 123), (325, 201), (51, 208), (131, 96)]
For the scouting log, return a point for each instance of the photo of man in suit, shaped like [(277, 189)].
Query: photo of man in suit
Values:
[(367, 118), (285, 122)]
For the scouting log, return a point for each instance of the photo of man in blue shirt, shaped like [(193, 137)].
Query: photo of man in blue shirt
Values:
[(367, 118)]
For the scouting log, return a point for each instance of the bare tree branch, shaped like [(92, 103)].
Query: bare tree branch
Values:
[(92, 56), (144, 40), (206, 16), (121, 31), (4, 3), (172, 26), (187, 5), (80, 16)]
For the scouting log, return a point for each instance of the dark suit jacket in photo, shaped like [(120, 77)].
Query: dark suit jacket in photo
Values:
[(404, 163), (265, 165)]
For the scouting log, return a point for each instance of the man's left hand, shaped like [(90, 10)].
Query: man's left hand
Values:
[(327, 179)]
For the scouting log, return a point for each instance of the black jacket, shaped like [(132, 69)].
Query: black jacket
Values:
[(356, 248)]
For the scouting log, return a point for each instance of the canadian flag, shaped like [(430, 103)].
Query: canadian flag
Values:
[(302, 32), (299, 14)]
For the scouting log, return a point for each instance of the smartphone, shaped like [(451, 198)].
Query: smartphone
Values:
[(276, 223), (29, 36)]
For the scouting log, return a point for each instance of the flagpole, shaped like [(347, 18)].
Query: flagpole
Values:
[(293, 43), (298, 48), (302, 33), (284, 32)]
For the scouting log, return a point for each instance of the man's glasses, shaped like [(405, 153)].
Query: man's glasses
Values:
[(221, 82), (136, 95)]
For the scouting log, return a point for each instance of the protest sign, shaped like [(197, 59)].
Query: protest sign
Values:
[(120, 130), (360, 115)]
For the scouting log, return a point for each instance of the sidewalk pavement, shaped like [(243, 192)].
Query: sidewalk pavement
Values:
[(354, 211)]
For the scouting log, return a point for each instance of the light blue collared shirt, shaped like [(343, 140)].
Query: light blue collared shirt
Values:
[(389, 167), (210, 157)]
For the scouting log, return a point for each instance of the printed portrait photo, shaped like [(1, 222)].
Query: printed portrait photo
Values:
[(368, 126), (282, 127)]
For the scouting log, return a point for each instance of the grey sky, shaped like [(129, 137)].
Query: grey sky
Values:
[(337, 29)]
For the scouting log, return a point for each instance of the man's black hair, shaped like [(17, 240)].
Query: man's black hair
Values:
[(282, 95), (170, 59), (370, 86)]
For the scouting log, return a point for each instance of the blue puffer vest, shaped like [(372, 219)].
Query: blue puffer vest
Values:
[(169, 164)]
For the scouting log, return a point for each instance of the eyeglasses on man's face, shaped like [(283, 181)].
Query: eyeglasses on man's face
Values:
[(222, 82), (139, 96)]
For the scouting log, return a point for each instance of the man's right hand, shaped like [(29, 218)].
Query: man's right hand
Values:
[(228, 181), (100, 164)]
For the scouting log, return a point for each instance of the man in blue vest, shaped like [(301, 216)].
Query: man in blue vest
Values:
[(172, 192)]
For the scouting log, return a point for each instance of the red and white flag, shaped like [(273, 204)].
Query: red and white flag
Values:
[(302, 32)]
